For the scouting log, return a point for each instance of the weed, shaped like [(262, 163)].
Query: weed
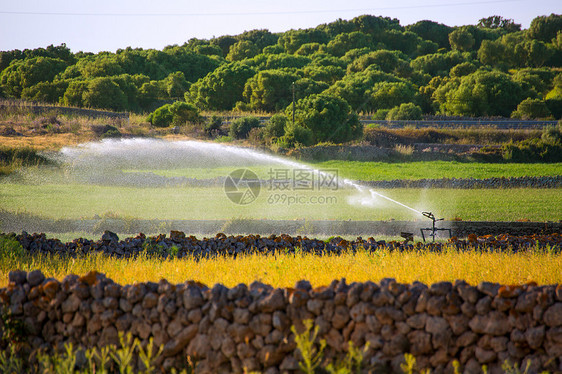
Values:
[(124, 355), (306, 344), (147, 356), (10, 362), (13, 329)]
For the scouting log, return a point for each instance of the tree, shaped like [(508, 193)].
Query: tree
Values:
[(242, 50), (343, 43), (429, 30), (176, 85), (461, 40), (26, 73), (531, 109), (463, 69), (406, 111), (329, 118), (355, 88), (483, 93), (498, 22), (179, 113), (439, 64), (387, 61), (545, 28), (104, 93), (222, 88), (261, 38), (492, 53), (241, 127), (293, 39), (275, 127), (386, 95), (149, 92), (74, 93), (46, 92), (310, 49), (269, 90)]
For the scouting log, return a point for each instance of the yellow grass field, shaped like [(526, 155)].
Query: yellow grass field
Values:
[(285, 270)]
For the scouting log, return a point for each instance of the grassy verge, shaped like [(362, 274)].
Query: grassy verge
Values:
[(76, 201), (286, 270), (377, 171), (367, 171)]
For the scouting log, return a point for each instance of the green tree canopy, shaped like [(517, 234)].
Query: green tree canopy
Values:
[(433, 31), (545, 28), (25, 73), (483, 93), (329, 118), (531, 109), (222, 88), (461, 40)]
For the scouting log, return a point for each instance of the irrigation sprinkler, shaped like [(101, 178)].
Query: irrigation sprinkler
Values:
[(433, 230)]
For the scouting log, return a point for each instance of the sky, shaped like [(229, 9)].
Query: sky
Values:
[(108, 25)]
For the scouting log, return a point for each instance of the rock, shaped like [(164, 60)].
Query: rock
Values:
[(489, 288), (177, 236), (341, 317), (192, 297), (484, 356), (441, 288), (35, 278), (289, 363), (420, 343), (553, 315), (417, 321), (272, 302), (466, 339), (535, 336), (315, 306), (17, 276), (175, 345), (150, 300), (483, 306), (387, 315), (109, 236), (71, 304), (494, 323)]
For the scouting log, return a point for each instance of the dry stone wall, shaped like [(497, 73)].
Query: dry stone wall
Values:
[(249, 327)]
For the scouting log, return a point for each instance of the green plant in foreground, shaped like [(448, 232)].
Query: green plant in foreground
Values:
[(124, 355), (311, 356), (10, 363), (55, 363), (147, 357)]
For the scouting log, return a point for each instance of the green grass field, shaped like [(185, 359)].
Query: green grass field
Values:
[(367, 171), (77, 201), (375, 171)]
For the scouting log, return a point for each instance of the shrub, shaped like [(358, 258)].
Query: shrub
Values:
[(213, 126), (531, 108), (241, 127), (275, 127), (183, 113), (161, 117), (381, 114), (177, 113), (295, 136), (328, 117), (407, 111)]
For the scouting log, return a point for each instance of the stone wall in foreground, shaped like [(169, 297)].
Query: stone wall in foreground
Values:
[(229, 329)]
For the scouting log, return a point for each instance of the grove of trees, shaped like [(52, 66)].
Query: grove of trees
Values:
[(365, 65)]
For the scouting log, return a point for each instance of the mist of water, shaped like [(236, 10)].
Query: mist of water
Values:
[(104, 162)]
